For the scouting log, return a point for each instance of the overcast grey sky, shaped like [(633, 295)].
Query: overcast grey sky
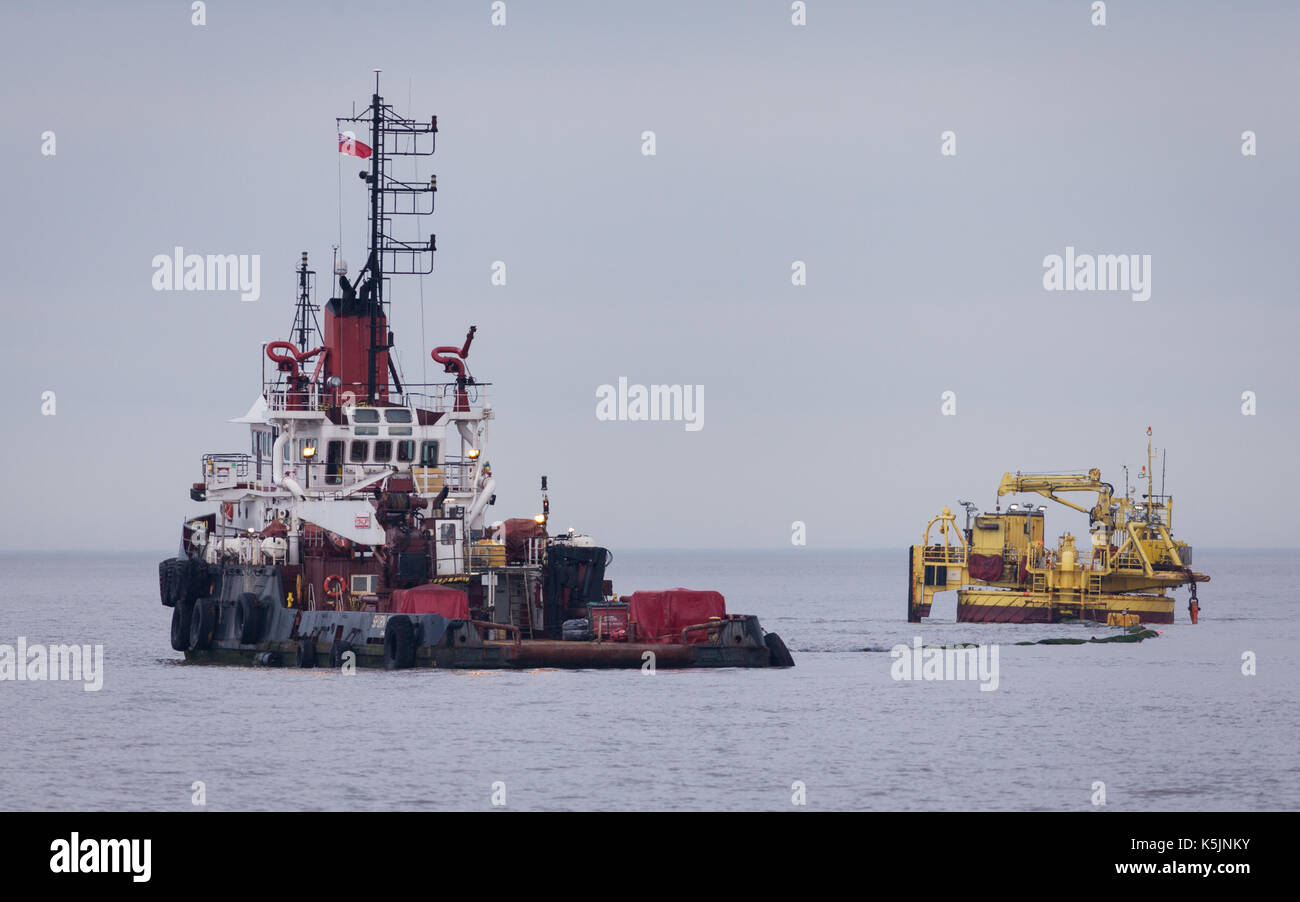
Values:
[(775, 143)]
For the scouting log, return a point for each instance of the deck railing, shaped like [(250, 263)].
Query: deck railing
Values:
[(434, 397)]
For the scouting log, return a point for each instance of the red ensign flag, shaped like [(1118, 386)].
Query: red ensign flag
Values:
[(350, 145)]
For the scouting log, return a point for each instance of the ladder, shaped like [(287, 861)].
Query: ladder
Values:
[(521, 613)]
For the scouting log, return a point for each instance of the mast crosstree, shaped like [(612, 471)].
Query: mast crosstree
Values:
[(391, 201)]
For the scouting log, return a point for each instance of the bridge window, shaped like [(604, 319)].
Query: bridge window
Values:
[(365, 415), (397, 415), (383, 452), (428, 454), (365, 430), (334, 463), (406, 451), (359, 452)]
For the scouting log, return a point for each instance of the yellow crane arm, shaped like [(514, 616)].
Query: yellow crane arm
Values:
[(1049, 485)]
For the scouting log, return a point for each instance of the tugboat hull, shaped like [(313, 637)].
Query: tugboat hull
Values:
[(237, 615), (525, 655)]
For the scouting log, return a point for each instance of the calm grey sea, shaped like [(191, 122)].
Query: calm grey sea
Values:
[(1170, 724)]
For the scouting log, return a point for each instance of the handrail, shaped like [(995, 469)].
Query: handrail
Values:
[(944, 554), (437, 397), (713, 624)]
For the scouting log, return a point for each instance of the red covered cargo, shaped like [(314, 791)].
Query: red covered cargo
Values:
[(661, 616), (609, 621), (432, 599)]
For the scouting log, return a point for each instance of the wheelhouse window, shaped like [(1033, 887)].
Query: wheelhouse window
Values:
[(359, 452), (365, 415), (397, 415), (428, 454), (383, 452), (334, 463), (406, 451), (365, 430)]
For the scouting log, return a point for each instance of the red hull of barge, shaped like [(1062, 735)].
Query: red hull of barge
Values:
[(985, 613)]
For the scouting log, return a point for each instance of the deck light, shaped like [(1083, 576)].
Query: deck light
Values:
[(309, 452), (473, 453)]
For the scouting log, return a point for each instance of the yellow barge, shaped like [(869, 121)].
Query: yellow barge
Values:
[(1003, 572)]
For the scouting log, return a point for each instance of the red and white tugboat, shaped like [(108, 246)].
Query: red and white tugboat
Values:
[(355, 529)]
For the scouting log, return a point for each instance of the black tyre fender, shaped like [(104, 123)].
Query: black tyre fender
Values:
[(305, 655), (247, 610), (779, 655), (203, 620), (164, 583), (399, 643), (181, 626), (337, 651), (172, 581)]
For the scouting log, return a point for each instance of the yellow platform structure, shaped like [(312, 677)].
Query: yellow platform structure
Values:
[(1003, 571)]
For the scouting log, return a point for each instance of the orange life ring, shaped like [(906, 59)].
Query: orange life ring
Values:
[(334, 586)]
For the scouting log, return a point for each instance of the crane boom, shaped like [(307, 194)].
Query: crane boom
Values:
[(1048, 485)]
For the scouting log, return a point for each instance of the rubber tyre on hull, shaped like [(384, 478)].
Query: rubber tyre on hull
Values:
[(779, 654), (181, 626), (305, 655), (171, 575), (399, 643), (164, 583), (337, 651), (203, 620), (247, 620)]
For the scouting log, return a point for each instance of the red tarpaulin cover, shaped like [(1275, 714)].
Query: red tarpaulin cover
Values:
[(660, 616), (987, 567), (432, 599)]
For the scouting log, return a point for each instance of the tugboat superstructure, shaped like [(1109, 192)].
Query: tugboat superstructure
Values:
[(357, 522)]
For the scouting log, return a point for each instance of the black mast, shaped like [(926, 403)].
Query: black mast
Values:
[(304, 321), (390, 255), (376, 217)]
